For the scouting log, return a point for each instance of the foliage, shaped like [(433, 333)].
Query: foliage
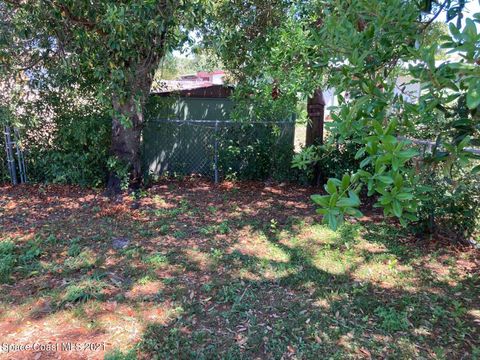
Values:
[(392, 176), (392, 320), (256, 151), (359, 49), (7, 260), (109, 48), (340, 201), (67, 140), (332, 158), (449, 205)]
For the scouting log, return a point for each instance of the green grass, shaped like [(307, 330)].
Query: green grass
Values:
[(230, 274)]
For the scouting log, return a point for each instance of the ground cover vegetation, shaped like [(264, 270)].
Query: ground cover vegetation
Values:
[(379, 263), (238, 271)]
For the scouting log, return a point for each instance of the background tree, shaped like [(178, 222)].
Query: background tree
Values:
[(110, 48)]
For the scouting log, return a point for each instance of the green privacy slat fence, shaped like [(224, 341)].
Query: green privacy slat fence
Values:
[(219, 148), (196, 136)]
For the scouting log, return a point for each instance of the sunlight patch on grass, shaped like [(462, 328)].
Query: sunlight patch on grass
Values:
[(145, 290), (202, 260), (334, 261), (259, 246), (84, 260), (83, 291), (156, 260), (316, 234), (377, 273)]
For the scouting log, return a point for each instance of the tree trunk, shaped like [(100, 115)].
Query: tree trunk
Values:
[(127, 134), (316, 112), (126, 145)]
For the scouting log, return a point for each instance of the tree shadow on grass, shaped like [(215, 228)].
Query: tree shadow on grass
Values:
[(262, 289), (313, 313)]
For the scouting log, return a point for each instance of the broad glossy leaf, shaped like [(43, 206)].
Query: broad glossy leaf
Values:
[(397, 208), (385, 179), (321, 200)]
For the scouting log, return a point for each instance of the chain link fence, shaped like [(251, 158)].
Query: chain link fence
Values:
[(4, 174), (219, 148)]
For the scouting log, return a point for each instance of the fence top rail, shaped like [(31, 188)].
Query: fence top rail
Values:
[(213, 122)]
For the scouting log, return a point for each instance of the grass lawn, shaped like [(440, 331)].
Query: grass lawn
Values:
[(240, 271)]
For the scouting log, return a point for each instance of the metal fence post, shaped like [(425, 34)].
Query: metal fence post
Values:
[(20, 157), (10, 157), (216, 152)]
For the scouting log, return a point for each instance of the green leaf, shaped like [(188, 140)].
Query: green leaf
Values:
[(408, 154), (385, 199), (453, 29), (389, 139), (321, 200), (359, 153), (404, 196), (410, 216), (395, 163), (345, 182), (365, 162), (330, 187), (353, 212), (385, 179), (355, 197), (397, 208), (473, 96), (331, 220), (346, 202), (398, 180)]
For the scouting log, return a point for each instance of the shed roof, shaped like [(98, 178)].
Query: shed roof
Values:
[(207, 91)]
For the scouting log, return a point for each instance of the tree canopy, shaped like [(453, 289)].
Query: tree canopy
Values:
[(111, 49)]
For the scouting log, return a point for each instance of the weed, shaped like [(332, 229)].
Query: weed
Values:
[(85, 290), (164, 229), (217, 254), (179, 234), (392, 320), (51, 239), (212, 209), (31, 252), (120, 355), (84, 260), (156, 260), (7, 260), (74, 249), (221, 228)]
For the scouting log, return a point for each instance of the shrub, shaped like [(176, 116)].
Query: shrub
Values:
[(78, 153), (256, 151), (333, 159), (449, 205)]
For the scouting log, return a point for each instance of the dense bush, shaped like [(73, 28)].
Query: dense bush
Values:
[(71, 146), (333, 159), (449, 205), (65, 137), (76, 154), (256, 151)]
